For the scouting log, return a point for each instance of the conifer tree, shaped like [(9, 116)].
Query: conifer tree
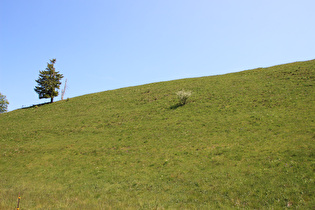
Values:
[(48, 82)]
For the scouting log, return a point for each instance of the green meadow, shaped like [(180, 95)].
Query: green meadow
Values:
[(242, 140)]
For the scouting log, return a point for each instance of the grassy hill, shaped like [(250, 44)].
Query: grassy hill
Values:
[(243, 140)]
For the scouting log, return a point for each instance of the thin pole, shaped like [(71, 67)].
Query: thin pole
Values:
[(18, 203)]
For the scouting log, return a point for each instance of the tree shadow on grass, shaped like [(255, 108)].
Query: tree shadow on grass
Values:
[(175, 106), (35, 105)]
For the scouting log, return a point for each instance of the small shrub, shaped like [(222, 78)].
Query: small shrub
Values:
[(183, 96)]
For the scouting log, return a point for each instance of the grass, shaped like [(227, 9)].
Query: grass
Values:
[(242, 140)]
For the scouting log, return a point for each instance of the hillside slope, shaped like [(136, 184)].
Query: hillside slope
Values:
[(243, 140)]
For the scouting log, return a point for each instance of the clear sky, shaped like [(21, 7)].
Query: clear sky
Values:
[(108, 44)]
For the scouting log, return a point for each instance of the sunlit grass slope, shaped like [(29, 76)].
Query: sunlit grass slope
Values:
[(243, 140)]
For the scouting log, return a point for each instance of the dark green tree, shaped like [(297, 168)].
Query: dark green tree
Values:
[(3, 103), (48, 82)]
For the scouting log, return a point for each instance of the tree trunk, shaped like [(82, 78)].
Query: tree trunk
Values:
[(51, 100)]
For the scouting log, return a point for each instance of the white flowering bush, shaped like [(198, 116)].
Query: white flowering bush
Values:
[(183, 96)]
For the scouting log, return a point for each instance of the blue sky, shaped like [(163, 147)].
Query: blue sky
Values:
[(108, 44)]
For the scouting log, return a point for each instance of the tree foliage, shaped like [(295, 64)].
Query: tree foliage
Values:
[(3, 103), (48, 82), (183, 96)]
